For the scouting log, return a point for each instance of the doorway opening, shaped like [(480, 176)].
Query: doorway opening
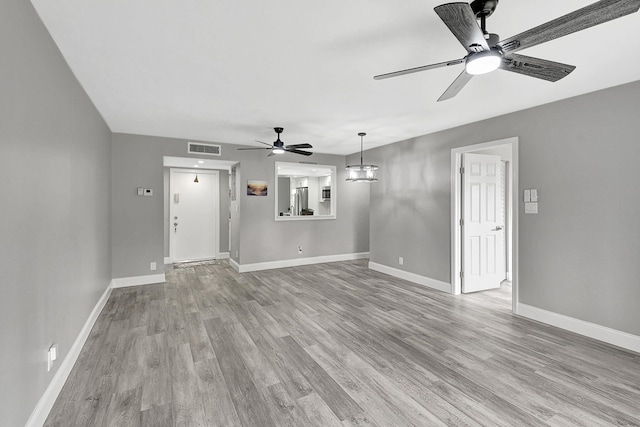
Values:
[(194, 203), (469, 246)]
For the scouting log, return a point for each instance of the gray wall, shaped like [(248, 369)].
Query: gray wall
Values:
[(225, 205), (138, 224), (234, 250), (263, 239), (55, 191), (579, 255)]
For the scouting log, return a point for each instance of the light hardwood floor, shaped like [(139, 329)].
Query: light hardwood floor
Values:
[(335, 345)]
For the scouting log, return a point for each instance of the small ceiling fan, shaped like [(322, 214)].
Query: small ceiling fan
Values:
[(278, 146), (486, 52)]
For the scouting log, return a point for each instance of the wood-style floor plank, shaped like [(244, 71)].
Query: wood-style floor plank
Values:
[(335, 345)]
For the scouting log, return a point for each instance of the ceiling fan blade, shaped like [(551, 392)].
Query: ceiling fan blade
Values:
[(255, 148), (299, 146), (461, 20), (271, 154), (536, 67), (304, 153), (418, 69), (589, 16), (456, 86)]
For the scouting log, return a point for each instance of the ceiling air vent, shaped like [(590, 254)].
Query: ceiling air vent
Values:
[(200, 148)]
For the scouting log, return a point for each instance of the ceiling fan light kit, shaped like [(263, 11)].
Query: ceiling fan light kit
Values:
[(483, 62), (486, 52), (362, 172)]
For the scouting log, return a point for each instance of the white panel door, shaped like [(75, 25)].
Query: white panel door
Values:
[(482, 223), (193, 214)]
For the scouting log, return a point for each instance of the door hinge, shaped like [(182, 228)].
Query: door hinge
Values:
[(462, 170), (462, 274), (461, 221)]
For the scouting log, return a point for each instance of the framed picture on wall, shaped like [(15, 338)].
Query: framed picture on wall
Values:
[(256, 188)]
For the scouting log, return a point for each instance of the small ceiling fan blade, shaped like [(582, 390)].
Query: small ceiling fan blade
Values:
[(461, 20), (255, 148), (304, 153), (299, 146), (271, 154), (456, 86), (270, 145), (589, 16), (418, 69), (536, 67)]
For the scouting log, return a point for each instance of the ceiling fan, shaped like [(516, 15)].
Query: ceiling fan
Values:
[(486, 52), (278, 146)]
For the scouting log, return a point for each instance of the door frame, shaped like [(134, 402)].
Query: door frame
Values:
[(456, 194), (216, 209)]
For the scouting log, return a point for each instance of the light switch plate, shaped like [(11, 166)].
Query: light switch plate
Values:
[(527, 196), (531, 208), (534, 195)]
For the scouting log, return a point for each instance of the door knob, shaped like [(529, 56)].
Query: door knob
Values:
[(498, 228)]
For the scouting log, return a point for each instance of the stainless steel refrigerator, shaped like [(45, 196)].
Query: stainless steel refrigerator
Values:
[(300, 200)]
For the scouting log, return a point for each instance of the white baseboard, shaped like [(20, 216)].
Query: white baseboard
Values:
[(122, 282), (42, 409), (234, 265), (591, 330), (244, 268), (411, 277), (223, 255), (168, 260)]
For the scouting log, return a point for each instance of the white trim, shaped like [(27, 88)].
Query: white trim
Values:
[(234, 265), (187, 162), (244, 268), (591, 330), (123, 282), (223, 255), (48, 398), (411, 277), (456, 262), (168, 260)]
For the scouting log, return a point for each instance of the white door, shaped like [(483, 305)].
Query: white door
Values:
[(193, 214), (482, 223)]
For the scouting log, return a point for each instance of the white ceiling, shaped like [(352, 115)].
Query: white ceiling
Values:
[(230, 71)]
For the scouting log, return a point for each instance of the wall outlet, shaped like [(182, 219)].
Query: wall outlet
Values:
[(52, 355), (299, 249), (152, 266), (400, 260), (236, 254)]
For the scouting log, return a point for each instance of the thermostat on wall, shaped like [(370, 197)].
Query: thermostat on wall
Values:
[(145, 191)]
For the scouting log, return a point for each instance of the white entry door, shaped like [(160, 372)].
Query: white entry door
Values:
[(482, 223), (193, 214)]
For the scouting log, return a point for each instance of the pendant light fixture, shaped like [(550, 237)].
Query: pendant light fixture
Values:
[(362, 172), (196, 180)]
